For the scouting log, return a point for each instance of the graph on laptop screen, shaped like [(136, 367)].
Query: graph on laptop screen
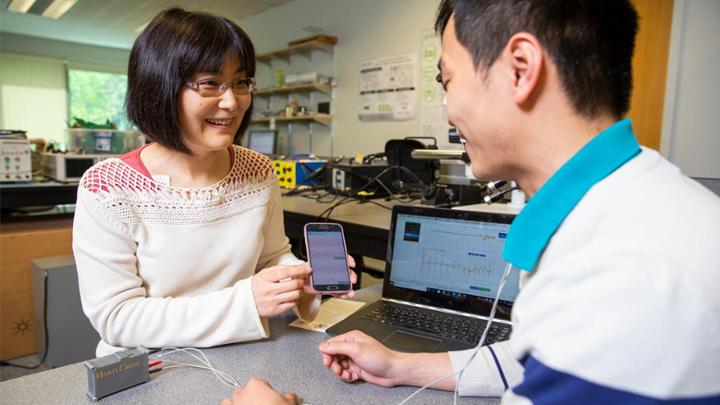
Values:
[(451, 257)]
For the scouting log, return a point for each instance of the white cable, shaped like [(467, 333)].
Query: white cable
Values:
[(224, 377), (504, 278), (221, 375), (427, 385), (218, 373)]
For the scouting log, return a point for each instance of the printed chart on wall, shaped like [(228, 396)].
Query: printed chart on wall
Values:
[(433, 117), (388, 89)]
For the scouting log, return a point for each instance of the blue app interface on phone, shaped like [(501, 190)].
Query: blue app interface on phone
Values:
[(327, 257)]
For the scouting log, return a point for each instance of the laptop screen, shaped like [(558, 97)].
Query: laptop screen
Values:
[(450, 259)]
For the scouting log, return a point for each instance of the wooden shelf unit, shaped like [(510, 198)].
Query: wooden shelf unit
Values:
[(295, 49), (326, 88), (319, 118), (313, 55)]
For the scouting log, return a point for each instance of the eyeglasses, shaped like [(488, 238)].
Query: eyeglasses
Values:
[(211, 88), (439, 79)]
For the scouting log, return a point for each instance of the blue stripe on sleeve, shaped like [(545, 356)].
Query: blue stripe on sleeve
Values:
[(497, 364), (544, 385)]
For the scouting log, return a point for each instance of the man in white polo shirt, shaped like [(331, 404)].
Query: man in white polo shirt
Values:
[(619, 252)]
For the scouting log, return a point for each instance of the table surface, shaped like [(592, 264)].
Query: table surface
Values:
[(289, 360)]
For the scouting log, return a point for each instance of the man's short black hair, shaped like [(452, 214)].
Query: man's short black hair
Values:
[(174, 46), (590, 41)]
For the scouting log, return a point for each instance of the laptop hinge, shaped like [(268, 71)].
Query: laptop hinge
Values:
[(445, 310)]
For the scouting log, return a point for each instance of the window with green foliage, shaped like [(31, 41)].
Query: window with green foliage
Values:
[(98, 97)]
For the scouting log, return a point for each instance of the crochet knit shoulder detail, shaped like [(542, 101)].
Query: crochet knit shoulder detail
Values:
[(133, 197), (114, 174)]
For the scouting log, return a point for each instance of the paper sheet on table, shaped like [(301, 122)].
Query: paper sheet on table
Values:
[(331, 312)]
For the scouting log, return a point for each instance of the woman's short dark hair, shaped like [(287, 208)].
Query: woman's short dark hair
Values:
[(590, 41), (174, 46)]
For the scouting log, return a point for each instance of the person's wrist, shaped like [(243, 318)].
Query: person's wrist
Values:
[(402, 370), (419, 369)]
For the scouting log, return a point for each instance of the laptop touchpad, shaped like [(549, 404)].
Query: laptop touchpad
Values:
[(408, 342)]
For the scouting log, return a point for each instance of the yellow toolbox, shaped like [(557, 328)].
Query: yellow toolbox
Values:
[(291, 173)]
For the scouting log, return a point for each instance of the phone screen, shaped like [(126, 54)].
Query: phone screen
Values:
[(328, 259)]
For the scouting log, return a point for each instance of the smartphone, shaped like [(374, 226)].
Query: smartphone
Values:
[(327, 255)]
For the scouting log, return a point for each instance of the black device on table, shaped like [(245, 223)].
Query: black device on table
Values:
[(442, 272)]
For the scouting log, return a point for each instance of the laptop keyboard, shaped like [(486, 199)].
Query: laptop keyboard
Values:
[(448, 326)]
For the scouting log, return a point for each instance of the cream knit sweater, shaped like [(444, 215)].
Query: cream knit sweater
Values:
[(164, 266)]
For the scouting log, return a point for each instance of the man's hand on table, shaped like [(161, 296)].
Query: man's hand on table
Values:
[(259, 392)]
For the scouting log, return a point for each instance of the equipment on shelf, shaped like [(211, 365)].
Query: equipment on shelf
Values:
[(454, 183), (294, 173), (368, 180), (411, 174), (16, 163), (292, 79), (70, 166)]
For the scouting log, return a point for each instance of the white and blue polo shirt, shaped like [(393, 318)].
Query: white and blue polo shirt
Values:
[(620, 301)]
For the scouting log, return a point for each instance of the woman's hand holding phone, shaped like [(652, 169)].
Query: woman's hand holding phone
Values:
[(277, 289), (344, 295)]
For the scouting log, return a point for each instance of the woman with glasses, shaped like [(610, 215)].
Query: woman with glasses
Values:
[(181, 242)]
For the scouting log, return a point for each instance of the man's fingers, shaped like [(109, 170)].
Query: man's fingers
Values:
[(352, 336), (237, 394), (291, 397), (346, 348), (258, 382), (336, 368), (348, 376)]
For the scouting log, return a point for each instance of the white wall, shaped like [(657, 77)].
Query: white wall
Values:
[(365, 29), (373, 28), (33, 89), (691, 124), (33, 96)]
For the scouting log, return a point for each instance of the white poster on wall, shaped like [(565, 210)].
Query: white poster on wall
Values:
[(433, 117), (388, 88)]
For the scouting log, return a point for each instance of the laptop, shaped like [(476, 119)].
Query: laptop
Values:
[(442, 273)]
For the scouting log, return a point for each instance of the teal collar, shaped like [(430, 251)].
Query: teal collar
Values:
[(537, 222)]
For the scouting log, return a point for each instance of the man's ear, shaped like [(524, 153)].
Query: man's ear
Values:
[(527, 63)]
